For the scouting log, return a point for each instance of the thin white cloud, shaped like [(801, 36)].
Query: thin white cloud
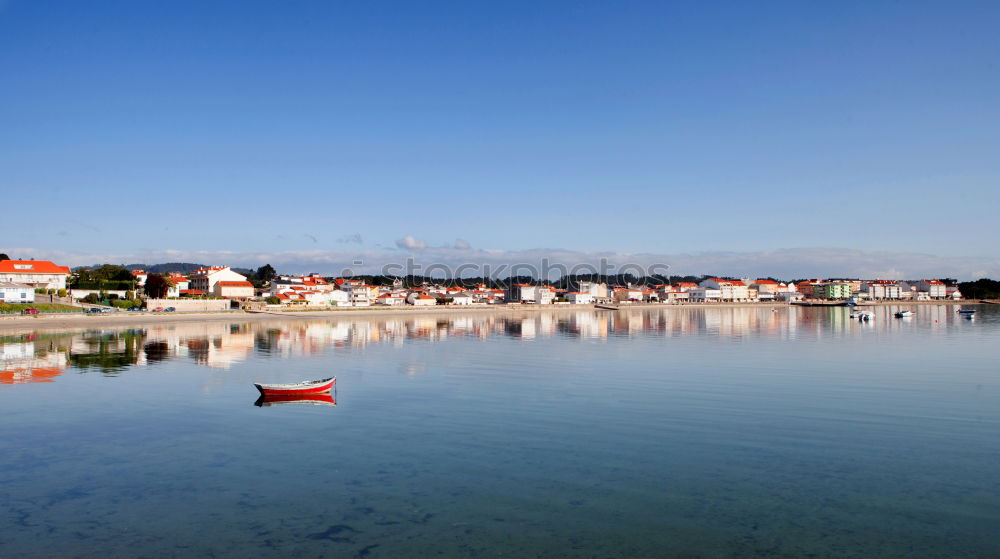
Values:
[(411, 243), (462, 244)]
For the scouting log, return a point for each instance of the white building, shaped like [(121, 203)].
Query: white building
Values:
[(358, 293), (313, 282), (180, 284), (526, 293), (205, 279), (16, 293), (882, 289), (704, 295), (580, 298), (935, 289), (233, 289), (390, 300), (627, 294), (140, 278), (599, 292), (766, 289), (418, 299), (38, 274), (668, 296), (789, 296), (461, 298), (729, 290)]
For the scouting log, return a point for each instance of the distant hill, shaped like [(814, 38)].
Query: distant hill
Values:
[(182, 267)]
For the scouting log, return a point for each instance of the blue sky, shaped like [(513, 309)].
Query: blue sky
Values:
[(314, 132)]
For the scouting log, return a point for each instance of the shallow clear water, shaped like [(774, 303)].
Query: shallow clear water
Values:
[(691, 432)]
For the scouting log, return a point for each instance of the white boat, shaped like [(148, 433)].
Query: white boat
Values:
[(904, 314), (865, 316)]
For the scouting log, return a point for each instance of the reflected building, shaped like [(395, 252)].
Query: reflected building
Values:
[(222, 345)]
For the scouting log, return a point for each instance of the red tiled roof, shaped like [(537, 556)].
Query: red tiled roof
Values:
[(37, 267), (192, 292), (235, 284)]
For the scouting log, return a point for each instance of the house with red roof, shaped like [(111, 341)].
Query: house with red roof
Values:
[(390, 299), (205, 279), (580, 298), (935, 289), (419, 299), (731, 290), (234, 289), (39, 274)]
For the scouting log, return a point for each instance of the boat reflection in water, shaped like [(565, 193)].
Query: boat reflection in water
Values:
[(269, 400)]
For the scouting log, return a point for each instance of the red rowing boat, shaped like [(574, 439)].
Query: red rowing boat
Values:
[(299, 388)]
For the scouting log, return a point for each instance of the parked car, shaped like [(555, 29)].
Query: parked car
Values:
[(92, 310), (134, 309), (108, 309), (169, 309), (30, 310), (158, 309)]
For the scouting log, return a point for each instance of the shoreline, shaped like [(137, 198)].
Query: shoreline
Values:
[(123, 319)]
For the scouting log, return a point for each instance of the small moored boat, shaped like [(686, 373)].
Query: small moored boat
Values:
[(966, 311), (865, 315), (904, 314), (298, 388)]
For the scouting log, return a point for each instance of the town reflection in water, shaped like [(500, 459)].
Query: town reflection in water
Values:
[(41, 357)]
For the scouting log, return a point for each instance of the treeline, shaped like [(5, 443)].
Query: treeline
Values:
[(107, 277), (984, 288)]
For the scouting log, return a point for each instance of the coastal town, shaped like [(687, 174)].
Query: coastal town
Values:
[(221, 287)]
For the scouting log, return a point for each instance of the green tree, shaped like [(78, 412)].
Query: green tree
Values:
[(983, 288), (265, 273), (3, 256), (157, 286)]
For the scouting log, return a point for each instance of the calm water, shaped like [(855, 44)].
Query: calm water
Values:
[(675, 433)]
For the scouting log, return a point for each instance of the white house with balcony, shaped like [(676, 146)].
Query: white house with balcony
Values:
[(38, 274), (882, 289), (206, 279), (704, 295), (935, 289), (729, 290), (358, 293), (598, 291)]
